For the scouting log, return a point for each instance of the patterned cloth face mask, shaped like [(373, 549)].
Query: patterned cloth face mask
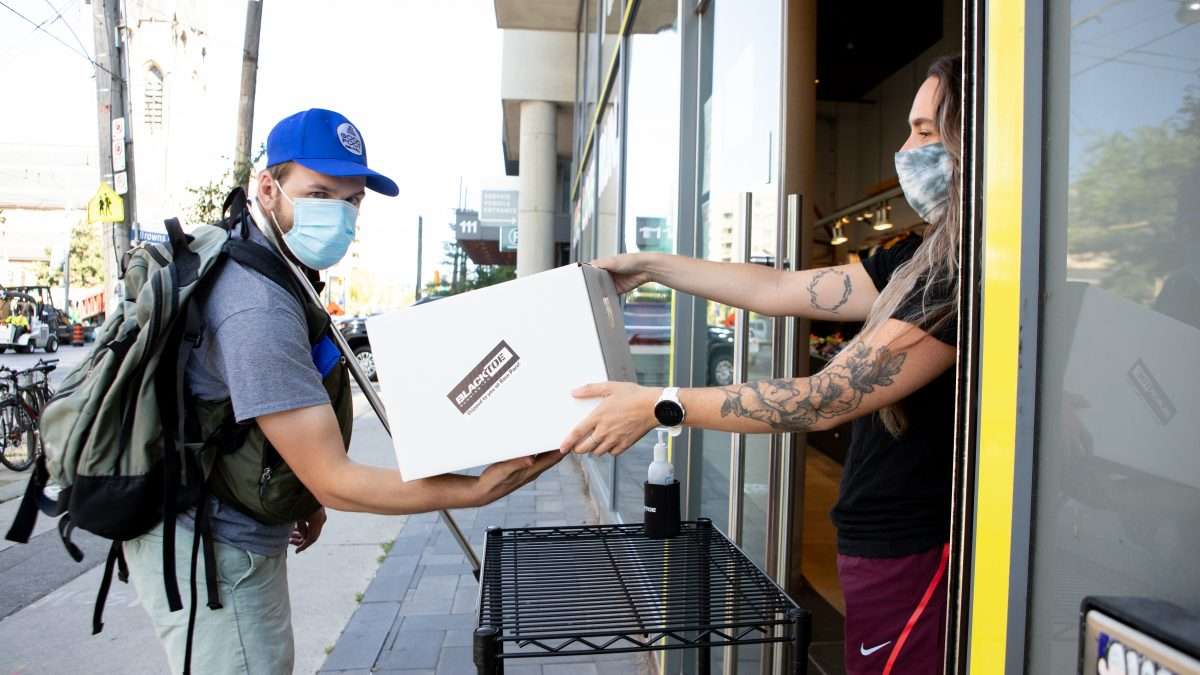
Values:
[(925, 174)]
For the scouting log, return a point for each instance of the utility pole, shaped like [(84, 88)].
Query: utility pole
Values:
[(66, 270), (241, 154), (112, 94), (420, 234)]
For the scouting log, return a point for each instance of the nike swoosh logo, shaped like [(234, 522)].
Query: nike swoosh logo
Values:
[(862, 649)]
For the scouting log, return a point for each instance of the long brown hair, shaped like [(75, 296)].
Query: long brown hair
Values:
[(934, 265)]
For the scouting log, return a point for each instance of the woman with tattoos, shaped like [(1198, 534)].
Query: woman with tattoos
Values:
[(894, 382)]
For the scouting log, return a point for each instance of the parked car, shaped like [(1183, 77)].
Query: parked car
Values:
[(354, 329), (649, 323)]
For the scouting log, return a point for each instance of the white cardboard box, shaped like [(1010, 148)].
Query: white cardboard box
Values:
[(487, 375)]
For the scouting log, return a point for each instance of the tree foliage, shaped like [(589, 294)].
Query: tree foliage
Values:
[(211, 196), (86, 256), (1129, 204), (472, 276)]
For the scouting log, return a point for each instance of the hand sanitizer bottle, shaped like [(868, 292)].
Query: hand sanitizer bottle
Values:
[(661, 471), (662, 494)]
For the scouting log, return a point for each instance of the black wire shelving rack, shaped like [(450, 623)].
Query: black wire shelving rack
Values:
[(609, 589)]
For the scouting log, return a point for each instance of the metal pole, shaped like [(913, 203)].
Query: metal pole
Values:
[(741, 347), (704, 653), (801, 639), (420, 237), (364, 383), (66, 270), (454, 274), (241, 154), (111, 93)]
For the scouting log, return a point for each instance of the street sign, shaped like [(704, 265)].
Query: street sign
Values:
[(121, 182), (467, 227), (508, 238), (118, 129), (106, 206), (151, 237), (118, 155), (498, 207)]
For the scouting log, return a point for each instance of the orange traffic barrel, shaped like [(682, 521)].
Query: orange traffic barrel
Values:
[(77, 335)]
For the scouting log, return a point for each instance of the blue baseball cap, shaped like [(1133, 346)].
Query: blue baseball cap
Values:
[(326, 142)]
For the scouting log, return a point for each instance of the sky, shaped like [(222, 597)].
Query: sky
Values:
[(420, 79)]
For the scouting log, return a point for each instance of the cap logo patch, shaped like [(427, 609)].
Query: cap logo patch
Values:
[(350, 138)]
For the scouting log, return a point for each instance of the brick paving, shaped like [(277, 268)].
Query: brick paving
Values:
[(418, 614)]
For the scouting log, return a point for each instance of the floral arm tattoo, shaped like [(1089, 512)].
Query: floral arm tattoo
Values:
[(796, 405), (814, 296)]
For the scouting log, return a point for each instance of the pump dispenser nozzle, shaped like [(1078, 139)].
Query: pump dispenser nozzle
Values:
[(662, 494), (661, 471)]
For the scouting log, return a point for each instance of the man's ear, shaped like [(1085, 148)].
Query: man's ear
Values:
[(266, 189)]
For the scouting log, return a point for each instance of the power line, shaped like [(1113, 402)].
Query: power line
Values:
[(1134, 48), (13, 49), (38, 27), (1165, 69), (58, 15), (1142, 64)]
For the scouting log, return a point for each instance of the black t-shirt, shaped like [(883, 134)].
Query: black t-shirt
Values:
[(895, 495)]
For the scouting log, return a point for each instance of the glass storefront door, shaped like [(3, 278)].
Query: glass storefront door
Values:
[(1117, 472), (738, 206)]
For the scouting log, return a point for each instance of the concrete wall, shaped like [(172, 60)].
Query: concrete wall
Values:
[(537, 66)]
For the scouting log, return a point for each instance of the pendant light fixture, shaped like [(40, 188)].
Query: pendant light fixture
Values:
[(882, 223), (839, 235)]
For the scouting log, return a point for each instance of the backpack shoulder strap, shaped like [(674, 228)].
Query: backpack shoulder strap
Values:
[(234, 212)]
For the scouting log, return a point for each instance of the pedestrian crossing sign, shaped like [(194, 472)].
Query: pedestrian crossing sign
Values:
[(106, 206)]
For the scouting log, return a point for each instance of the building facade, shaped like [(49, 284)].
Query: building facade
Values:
[(177, 68)]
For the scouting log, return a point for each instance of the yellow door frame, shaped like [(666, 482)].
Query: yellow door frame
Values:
[(1010, 188)]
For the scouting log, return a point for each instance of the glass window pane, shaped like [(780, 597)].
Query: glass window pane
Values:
[(1118, 467), (739, 123), (588, 183), (740, 133), (651, 163)]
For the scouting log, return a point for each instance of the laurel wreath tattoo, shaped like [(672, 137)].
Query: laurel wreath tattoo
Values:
[(814, 296), (788, 405)]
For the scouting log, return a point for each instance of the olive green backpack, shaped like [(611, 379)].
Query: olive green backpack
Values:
[(126, 447)]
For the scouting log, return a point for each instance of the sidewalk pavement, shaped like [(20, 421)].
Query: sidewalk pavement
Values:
[(418, 614), (46, 598)]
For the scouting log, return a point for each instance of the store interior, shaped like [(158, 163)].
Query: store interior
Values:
[(868, 70)]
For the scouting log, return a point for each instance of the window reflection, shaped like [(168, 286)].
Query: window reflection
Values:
[(651, 164), (1118, 473)]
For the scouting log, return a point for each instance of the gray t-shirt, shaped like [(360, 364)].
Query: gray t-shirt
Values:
[(254, 351)]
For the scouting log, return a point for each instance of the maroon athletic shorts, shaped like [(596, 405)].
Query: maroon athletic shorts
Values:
[(895, 613)]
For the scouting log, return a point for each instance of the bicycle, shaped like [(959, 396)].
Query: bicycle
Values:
[(23, 395)]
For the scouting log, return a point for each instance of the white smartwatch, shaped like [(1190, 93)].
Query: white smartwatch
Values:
[(669, 412)]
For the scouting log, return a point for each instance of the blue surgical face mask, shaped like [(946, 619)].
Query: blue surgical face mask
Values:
[(925, 174), (322, 230)]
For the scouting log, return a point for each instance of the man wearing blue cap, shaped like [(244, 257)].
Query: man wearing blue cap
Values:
[(255, 358)]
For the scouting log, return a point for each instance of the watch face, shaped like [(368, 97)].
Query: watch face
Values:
[(668, 413)]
